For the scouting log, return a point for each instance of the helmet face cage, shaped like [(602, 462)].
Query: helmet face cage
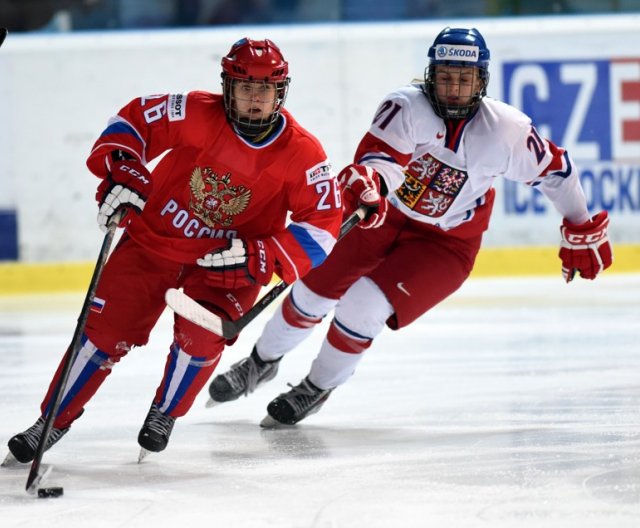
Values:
[(259, 64), (459, 50)]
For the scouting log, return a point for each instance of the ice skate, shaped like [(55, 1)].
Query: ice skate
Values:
[(155, 433), (23, 446), (242, 379), (291, 407)]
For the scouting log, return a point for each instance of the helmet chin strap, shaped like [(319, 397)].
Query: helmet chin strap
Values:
[(450, 111), (462, 111), (255, 133)]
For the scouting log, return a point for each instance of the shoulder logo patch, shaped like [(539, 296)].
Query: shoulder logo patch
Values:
[(320, 172), (177, 110)]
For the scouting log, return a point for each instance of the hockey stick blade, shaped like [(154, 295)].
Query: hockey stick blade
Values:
[(43, 472), (3, 35), (186, 307)]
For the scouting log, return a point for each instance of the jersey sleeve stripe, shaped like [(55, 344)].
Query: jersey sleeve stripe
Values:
[(565, 170), (117, 125), (322, 237), (117, 146), (315, 253), (370, 157), (120, 134), (316, 243)]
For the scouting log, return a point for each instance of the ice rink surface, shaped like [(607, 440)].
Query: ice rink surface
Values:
[(514, 403)]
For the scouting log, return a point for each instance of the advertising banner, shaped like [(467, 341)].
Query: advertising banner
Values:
[(591, 107)]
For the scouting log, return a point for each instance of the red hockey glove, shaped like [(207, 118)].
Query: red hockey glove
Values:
[(362, 185), (585, 247), (242, 263), (127, 187)]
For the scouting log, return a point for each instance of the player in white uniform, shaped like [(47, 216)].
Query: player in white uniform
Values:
[(434, 150)]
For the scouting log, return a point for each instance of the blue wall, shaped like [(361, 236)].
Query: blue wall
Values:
[(8, 235)]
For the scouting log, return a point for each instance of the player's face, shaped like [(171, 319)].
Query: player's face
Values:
[(456, 85), (254, 100)]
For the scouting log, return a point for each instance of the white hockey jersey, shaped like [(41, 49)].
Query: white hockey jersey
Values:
[(441, 173)]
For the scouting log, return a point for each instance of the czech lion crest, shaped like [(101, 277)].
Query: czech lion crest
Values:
[(213, 200)]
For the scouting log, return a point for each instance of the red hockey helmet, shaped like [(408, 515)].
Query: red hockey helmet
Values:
[(254, 61)]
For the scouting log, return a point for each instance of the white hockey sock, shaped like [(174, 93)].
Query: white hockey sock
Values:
[(293, 322), (332, 367), (359, 317)]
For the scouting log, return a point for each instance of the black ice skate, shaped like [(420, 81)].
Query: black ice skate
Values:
[(154, 435), (242, 379), (23, 446), (291, 407)]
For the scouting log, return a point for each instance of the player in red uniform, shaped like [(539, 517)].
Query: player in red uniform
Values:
[(434, 149), (211, 218)]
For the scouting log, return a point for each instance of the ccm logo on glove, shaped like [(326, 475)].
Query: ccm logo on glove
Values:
[(262, 256), (124, 167), (587, 238)]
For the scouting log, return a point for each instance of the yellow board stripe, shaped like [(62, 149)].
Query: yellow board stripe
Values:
[(495, 262), (491, 262)]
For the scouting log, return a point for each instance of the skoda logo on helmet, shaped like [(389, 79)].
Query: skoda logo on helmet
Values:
[(457, 52)]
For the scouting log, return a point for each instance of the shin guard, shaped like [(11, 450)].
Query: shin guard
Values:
[(184, 377), (89, 369)]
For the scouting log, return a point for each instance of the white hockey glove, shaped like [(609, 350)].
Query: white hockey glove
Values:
[(127, 187), (242, 263)]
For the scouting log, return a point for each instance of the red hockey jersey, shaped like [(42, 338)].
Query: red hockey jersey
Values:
[(213, 184)]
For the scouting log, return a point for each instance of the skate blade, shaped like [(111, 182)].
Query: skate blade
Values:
[(10, 461), (271, 423), (43, 473), (212, 403), (143, 454)]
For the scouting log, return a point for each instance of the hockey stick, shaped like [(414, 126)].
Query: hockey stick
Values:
[(3, 35), (186, 307), (35, 476)]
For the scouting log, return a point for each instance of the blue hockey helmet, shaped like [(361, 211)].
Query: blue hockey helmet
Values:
[(457, 47)]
